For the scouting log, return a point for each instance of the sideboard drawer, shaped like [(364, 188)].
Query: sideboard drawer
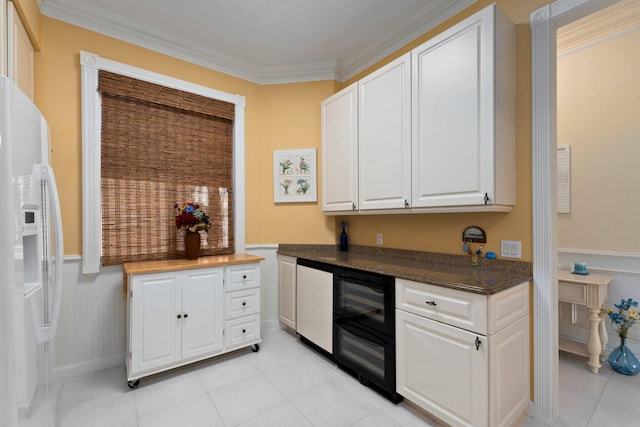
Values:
[(240, 332), (572, 292), (244, 276), (242, 303)]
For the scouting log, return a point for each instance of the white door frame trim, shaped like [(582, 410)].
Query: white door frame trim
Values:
[(544, 23)]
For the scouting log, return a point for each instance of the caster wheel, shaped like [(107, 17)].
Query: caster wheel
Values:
[(255, 348), (133, 384)]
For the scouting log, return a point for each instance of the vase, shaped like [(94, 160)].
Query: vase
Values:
[(622, 360), (192, 245)]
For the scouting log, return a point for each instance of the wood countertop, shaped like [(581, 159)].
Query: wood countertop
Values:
[(144, 267)]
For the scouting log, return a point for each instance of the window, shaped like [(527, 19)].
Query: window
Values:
[(227, 206), (159, 147)]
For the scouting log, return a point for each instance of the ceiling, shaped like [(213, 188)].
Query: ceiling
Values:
[(264, 41)]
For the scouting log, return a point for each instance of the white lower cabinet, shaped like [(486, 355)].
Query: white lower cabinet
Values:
[(287, 290), (179, 317), (464, 377)]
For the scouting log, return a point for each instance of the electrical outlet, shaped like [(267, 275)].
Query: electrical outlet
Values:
[(379, 239), (510, 249)]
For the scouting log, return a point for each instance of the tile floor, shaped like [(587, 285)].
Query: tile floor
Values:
[(287, 384)]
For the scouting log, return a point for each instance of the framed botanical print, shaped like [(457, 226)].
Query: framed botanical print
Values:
[(294, 176)]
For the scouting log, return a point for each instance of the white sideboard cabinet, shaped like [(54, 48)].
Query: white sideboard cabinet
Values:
[(182, 311), (463, 357)]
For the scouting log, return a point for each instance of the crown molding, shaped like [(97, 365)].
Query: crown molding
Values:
[(385, 47), (616, 20), (113, 25)]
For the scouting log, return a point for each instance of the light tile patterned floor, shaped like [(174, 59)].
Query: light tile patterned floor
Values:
[(287, 384)]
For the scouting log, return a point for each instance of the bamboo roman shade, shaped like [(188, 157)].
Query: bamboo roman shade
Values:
[(161, 146)]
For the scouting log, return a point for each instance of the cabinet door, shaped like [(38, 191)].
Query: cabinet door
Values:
[(155, 328), (340, 150), (314, 306), (384, 143), (20, 53), (439, 369), (287, 288), (453, 122), (509, 374), (202, 312)]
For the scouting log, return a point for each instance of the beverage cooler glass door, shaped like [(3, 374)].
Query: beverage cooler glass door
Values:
[(365, 298)]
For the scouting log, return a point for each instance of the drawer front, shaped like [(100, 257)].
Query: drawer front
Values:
[(572, 292), (507, 307), (243, 331), (243, 303), (457, 308), (243, 276)]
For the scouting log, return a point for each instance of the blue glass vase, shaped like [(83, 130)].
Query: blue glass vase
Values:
[(622, 360)]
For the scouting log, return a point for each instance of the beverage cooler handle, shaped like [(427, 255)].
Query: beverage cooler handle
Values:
[(46, 175)]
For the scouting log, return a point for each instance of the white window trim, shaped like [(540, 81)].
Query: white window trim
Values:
[(90, 64)]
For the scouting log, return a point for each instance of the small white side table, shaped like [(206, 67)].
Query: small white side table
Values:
[(591, 291)]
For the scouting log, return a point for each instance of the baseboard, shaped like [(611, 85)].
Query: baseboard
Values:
[(82, 368)]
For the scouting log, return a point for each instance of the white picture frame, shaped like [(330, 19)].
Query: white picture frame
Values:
[(295, 176)]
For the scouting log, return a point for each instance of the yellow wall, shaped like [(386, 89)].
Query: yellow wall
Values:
[(277, 117), (598, 91), (283, 116)]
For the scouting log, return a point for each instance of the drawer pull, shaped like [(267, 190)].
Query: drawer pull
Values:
[(179, 316), (432, 303), (244, 303), (244, 331), (244, 276), (478, 342), (186, 315)]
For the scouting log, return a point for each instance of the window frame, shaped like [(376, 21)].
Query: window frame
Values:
[(90, 65)]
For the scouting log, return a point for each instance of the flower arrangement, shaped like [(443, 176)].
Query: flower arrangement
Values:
[(191, 218), (626, 316)]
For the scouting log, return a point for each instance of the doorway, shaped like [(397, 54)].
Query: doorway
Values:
[(544, 24)]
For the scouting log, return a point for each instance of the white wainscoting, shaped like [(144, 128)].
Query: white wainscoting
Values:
[(625, 269), (92, 329)]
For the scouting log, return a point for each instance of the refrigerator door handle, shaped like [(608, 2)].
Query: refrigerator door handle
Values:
[(48, 330)]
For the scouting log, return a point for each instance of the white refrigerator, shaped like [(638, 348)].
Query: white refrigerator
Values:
[(31, 257)]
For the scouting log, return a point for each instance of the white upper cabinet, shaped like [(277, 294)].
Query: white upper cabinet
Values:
[(20, 53), (384, 120), (432, 131), (464, 115), (340, 151)]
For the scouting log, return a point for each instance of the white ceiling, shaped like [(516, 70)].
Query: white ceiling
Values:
[(264, 41)]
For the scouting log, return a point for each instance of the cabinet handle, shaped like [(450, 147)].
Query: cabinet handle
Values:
[(179, 316), (244, 276), (406, 204), (353, 206), (244, 303), (244, 330), (478, 342), (486, 198), (186, 315), (432, 303)]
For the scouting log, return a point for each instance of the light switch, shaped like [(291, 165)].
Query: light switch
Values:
[(511, 249)]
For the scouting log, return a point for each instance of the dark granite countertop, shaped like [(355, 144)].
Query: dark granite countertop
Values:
[(450, 271)]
